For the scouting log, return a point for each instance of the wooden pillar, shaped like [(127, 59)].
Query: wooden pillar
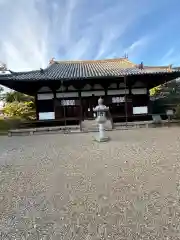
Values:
[(118, 85), (37, 111), (80, 105), (80, 86), (105, 89), (81, 111), (54, 102), (130, 89), (149, 102), (126, 111)]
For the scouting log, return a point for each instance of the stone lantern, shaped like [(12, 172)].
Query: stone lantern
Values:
[(101, 119), (170, 114)]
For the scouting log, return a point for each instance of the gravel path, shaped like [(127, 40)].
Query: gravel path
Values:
[(69, 187)]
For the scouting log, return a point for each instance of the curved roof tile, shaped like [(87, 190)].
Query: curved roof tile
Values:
[(72, 70)]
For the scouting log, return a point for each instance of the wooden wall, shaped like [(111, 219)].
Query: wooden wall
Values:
[(75, 101)]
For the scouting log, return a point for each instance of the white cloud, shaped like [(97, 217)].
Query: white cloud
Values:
[(170, 57), (78, 49), (34, 31), (116, 22), (138, 46), (167, 55)]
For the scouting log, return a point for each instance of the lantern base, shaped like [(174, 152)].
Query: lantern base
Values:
[(103, 139)]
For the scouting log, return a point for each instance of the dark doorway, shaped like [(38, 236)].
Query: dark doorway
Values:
[(88, 103), (67, 109)]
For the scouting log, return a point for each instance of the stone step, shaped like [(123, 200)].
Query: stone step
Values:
[(43, 130)]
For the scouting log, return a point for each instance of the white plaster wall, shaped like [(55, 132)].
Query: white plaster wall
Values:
[(46, 116), (45, 96), (90, 93), (136, 91), (67, 94), (140, 110), (118, 92)]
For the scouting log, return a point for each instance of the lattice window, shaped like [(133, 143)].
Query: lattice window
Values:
[(68, 102), (118, 99)]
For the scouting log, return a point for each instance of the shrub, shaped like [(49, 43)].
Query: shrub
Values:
[(4, 126), (177, 112), (9, 123), (22, 110)]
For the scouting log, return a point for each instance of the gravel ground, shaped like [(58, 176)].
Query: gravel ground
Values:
[(69, 187)]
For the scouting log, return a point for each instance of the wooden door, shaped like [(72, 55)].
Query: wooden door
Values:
[(116, 106), (86, 108), (67, 108), (59, 110), (72, 112), (129, 106), (117, 110), (88, 103)]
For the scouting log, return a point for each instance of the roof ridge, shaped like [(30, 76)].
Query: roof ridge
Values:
[(95, 61), (147, 66)]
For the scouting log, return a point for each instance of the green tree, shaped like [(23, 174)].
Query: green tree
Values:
[(167, 96), (1, 93), (14, 96), (18, 105), (155, 92), (1, 90)]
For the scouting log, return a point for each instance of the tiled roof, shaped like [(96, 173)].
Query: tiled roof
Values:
[(69, 70)]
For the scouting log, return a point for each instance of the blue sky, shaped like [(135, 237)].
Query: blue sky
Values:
[(34, 31)]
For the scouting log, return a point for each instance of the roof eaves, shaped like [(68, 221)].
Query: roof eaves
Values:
[(45, 75)]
